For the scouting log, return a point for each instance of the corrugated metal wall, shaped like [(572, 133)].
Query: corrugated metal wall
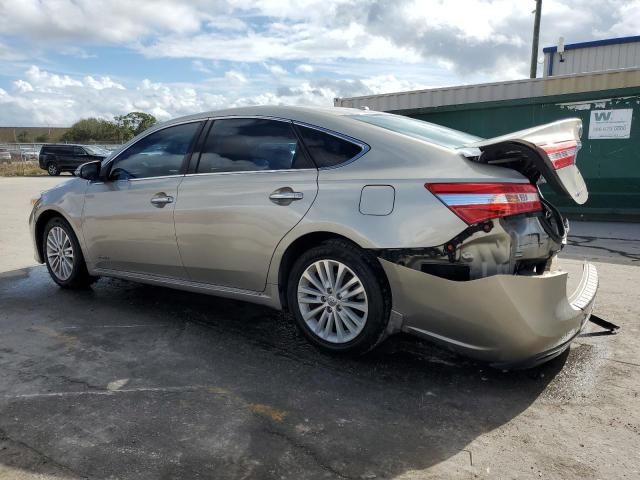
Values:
[(487, 92), (592, 59)]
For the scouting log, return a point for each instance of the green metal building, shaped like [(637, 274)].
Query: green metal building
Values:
[(608, 103)]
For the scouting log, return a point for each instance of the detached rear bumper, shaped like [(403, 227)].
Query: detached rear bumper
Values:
[(507, 320)]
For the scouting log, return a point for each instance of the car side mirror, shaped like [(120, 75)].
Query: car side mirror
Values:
[(89, 171)]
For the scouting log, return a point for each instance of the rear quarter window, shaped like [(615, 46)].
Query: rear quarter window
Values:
[(327, 150)]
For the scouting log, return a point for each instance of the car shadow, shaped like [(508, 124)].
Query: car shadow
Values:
[(131, 381)]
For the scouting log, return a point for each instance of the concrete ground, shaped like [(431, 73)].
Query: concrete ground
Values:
[(139, 382)]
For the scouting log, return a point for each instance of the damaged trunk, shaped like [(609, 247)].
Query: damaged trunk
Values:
[(544, 153), (512, 228)]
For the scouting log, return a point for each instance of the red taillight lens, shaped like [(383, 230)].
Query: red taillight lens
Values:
[(477, 202), (562, 154)]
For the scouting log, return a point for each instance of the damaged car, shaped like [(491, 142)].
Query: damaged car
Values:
[(360, 223)]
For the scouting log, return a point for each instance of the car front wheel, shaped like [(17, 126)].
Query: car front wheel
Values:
[(63, 256), (339, 297)]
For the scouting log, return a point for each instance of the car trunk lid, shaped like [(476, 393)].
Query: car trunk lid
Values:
[(547, 151)]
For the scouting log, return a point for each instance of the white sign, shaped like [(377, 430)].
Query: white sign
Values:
[(610, 123)]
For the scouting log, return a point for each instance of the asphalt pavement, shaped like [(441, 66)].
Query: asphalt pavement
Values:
[(137, 382)]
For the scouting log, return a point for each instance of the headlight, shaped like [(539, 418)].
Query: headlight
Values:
[(35, 200)]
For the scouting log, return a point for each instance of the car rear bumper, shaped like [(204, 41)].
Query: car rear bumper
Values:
[(508, 320)]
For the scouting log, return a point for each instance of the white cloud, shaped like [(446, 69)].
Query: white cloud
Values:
[(50, 99), (199, 66), (279, 42), (304, 68), (66, 99), (102, 82), (113, 21), (23, 86), (276, 70), (242, 49), (235, 76), (473, 37), (45, 80)]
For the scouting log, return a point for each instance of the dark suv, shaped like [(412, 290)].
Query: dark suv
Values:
[(66, 158)]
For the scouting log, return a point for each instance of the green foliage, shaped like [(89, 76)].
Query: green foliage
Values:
[(22, 137), (134, 123), (122, 129), (44, 138)]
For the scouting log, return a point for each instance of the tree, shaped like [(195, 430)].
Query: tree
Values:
[(92, 130), (123, 128), (44, 138), (134, 123)]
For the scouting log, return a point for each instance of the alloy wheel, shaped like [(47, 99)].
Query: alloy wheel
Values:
[(332, 301), (60, 253)]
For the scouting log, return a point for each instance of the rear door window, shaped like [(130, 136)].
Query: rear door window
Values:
[(327, 150), (249, 145)]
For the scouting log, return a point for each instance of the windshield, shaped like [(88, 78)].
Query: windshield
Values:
[(429, 132), (93, 150)]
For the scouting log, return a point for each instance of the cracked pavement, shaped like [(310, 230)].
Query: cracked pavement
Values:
[(137, 382)]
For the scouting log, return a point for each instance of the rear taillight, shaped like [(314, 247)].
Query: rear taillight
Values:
[(562, 154), (477, 202)]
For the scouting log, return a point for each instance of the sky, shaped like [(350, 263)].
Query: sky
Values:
[(62, 60)]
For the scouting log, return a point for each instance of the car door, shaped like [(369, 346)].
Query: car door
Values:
[(128, 218), (71, 157), (62, 155), (78, 157), (252, 183)]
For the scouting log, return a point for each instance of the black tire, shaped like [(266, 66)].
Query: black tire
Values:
[(79, 277), (53, 169), (373, 279)]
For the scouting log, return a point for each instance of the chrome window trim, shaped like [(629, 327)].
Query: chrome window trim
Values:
[(178, 175), (364, 146), (260, 117), (123, 180), (237, 172)]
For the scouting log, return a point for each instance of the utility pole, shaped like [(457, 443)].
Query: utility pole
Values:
[(536, 35)]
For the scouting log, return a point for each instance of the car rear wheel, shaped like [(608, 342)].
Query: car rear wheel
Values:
[(63, 256), (339, 297), (53, 170)]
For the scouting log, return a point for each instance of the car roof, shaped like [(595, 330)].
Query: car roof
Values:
[(299, 113), (62, 145)]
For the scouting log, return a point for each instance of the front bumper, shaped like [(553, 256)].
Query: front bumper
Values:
[(508, 320)]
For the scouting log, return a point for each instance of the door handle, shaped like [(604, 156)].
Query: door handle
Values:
[(287, 196), (284, 196), (161, 199)]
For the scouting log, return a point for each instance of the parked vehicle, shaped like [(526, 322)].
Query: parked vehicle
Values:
[(360, 223), (30, 154), (5, 155), (56, 159)]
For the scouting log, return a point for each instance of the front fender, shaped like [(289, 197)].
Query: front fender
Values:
[(65, 200)]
